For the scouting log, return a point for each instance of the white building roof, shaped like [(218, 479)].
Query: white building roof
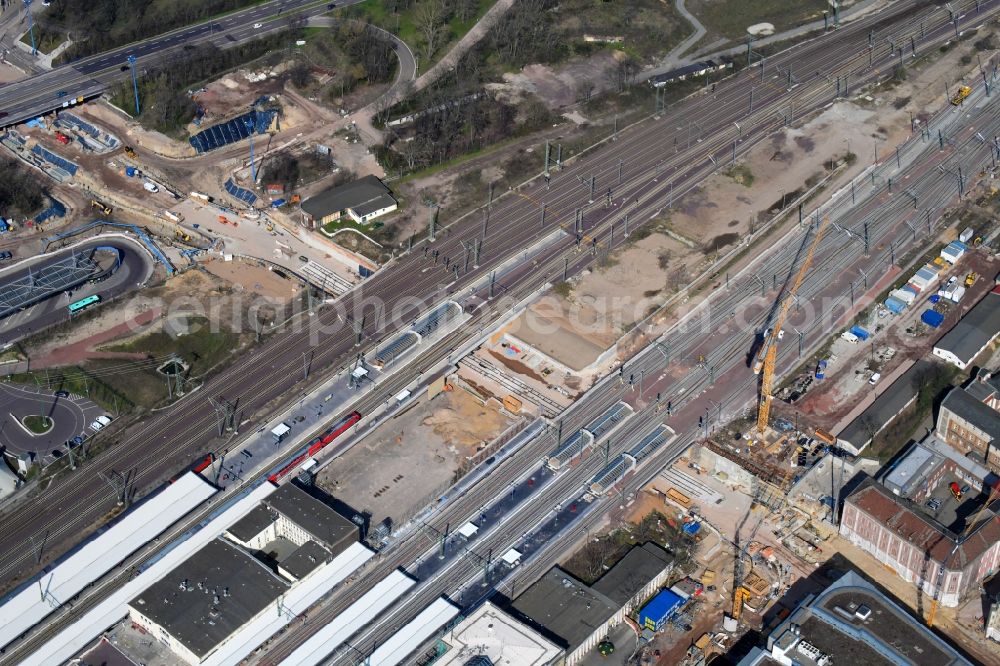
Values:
[(8, 480), (280, 430), (353, 619), (468, 529), (414, 633), (302, 595), (74, 638), (491, 633), (26, 608), (359, 372), (512, 556)]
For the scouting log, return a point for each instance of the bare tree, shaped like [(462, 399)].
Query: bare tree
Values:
[(429, 18)]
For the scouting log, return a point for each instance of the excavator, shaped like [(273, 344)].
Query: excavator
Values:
[(767, 356)]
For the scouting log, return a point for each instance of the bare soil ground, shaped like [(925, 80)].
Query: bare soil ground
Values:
[(599, 307), (563, 85), (833, 403), (9, 73), (249, 277), (413, 457)]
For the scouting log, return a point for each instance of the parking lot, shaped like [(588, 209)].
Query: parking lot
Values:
[(71, 417)]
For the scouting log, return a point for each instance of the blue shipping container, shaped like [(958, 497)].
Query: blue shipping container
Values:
[(895, 305), (130, 171), (656, 613), (932, 318), (861, 333), (277, 203)]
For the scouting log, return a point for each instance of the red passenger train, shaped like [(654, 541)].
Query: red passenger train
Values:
[(317, 445)]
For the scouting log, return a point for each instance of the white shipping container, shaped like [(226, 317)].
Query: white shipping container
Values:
[(966, 234), (957, 294), (904, 295), (150, 187)]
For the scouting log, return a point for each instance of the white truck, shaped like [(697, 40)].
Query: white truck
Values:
[(150, 187)]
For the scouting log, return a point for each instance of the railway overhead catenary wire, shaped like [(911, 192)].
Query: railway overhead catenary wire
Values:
[(727, 356), (270, 371)]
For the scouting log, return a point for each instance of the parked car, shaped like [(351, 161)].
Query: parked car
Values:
[(5, 255), (104, 420), (874, 380), (56, 453), (61, 394), (96, 425)]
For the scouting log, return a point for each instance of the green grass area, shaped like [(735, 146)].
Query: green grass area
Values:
[(201, 348), (347, 223), (39, 425), (731, 19), (12, 355), (78, 381), (648, 28), (407, 25), (741, 174), (45, 41)]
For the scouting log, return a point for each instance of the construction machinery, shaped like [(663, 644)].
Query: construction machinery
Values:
[(104, 208), (740, 592), (130, 152), (769, 348), (960, 96), (994, 493)]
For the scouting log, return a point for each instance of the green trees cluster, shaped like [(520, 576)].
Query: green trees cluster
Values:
[(21, 191), (99, 25), (163, 90)]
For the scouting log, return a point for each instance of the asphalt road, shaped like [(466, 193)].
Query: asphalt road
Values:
[(70, 416), (91, 76), (559, 512), (714, 391), (136, 267), (165, 442), (721, 383)]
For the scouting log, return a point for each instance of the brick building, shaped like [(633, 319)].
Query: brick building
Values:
[(918, 546), (969, 424)]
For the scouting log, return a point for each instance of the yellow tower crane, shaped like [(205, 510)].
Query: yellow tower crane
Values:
[(769, 351)]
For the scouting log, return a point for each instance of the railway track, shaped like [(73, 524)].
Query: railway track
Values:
[(161, 444)]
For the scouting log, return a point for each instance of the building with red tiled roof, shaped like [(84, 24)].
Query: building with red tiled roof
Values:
[(900, 535)]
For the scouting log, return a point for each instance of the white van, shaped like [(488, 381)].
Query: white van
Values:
[(104, 420), (850, 337)]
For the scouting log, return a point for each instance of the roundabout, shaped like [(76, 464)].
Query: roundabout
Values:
[(40, 422), (37, 424)]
